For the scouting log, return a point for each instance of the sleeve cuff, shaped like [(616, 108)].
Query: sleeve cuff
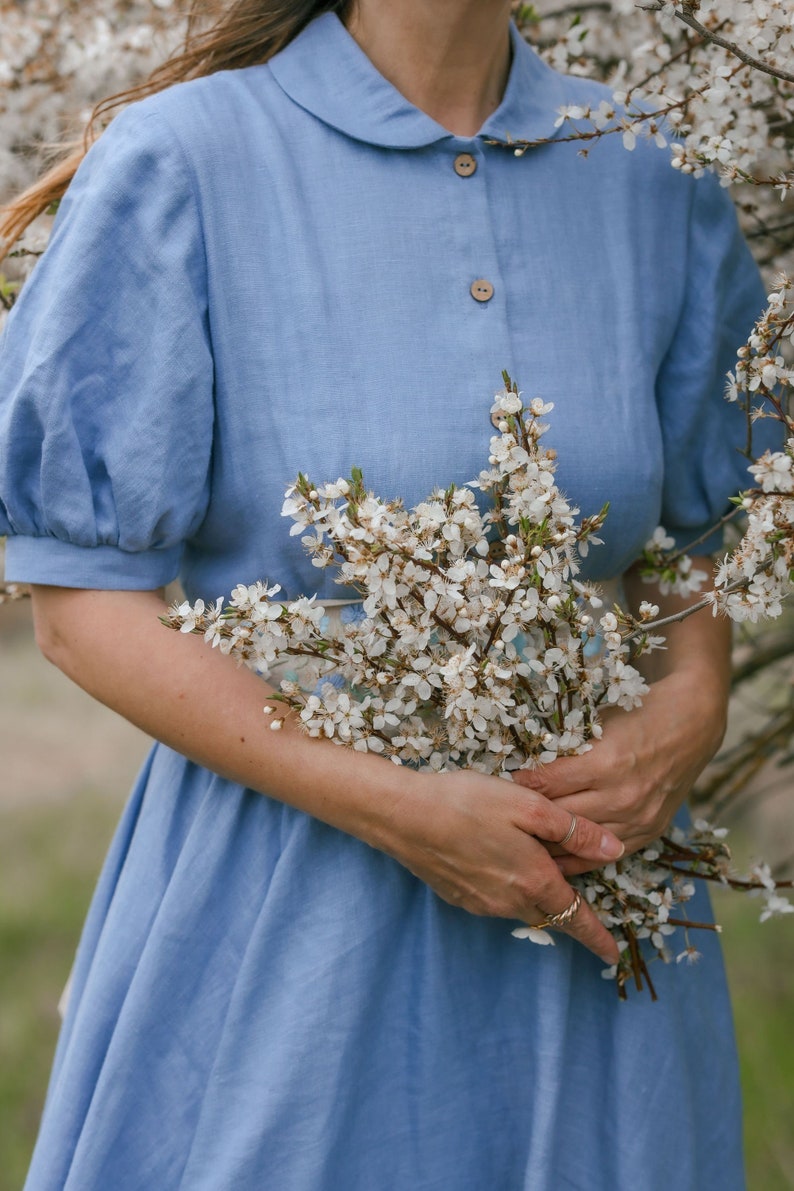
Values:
[(62, 564)]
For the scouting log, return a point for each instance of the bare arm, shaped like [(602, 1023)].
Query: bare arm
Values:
[(699, 647), (473, 839), (635, 779)]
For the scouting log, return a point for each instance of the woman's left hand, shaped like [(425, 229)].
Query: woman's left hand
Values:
[(637, 776)]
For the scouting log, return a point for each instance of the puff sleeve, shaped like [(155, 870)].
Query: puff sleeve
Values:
[(106, 374), (703, 435)]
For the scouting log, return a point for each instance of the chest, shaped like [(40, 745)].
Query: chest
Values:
[(364, 303)]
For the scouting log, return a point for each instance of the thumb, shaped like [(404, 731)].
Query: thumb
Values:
[(578, 835)]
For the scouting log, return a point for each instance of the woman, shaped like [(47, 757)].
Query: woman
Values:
[(297, 970)]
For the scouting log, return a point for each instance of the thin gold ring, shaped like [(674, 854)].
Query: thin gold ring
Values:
[(569, 832), (563, 917)]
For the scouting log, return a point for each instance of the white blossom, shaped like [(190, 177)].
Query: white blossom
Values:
[(776, 907), (464, 658)]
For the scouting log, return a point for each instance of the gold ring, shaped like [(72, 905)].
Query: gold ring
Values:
[(569, 832), (563, 917)]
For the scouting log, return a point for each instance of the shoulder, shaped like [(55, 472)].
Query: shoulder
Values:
[(207, 117), (636, 157)]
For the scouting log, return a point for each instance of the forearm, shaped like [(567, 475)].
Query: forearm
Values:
[(637, 776), (204, 705), (697, 648), (473, 839)]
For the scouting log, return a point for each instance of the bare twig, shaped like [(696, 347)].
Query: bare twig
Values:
[(686, 14), (762, 657)]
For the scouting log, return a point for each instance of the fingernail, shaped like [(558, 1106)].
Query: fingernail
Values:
[(611, 847), (560, 865)]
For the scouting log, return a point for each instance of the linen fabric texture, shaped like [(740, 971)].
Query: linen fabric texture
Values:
[(266, 271)]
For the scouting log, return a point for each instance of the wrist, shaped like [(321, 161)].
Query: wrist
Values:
[(700, 697), (398, 809)]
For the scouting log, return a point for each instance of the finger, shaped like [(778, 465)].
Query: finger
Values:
[(560, 847), (566, 775), (622, 812), (572, 866), (585, 926), (613, 809), (550, 822)]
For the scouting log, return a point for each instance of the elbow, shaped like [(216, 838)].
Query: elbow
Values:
[(47, 637), (47, 630)]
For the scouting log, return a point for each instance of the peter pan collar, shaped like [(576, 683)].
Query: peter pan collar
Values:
[(326, 72)]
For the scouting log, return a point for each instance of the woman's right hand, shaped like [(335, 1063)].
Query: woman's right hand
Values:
[(474, 840)]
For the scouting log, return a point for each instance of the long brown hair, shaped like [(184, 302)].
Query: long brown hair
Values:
[(243, 34)]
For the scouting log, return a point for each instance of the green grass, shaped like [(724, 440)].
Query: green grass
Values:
[(761, 974), (49, 859), (50, 855)]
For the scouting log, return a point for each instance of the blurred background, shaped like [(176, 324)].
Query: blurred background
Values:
[(66, 763)]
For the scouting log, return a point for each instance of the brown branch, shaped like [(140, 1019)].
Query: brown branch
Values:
[(632, 118), (687, 922), (572, 10), (770, 230), (742, 763), (686, 14), (497, 621), (686, 49), (733, 882), (637, 962), (780, 648), (723, 521)]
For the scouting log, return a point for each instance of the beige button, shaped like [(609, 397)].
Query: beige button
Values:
[(465, 165), (481, 290)]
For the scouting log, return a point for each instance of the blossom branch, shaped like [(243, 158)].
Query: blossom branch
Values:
[(686, 14)]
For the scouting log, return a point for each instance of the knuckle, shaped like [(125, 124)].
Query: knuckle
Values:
[(601, 762), (506, 902), (626, 798), (526, 778), (491, 908), (481, 907), (498, 904), (521, 891), (537, 817), (531, 802), (649, 819), (586, 837), (624, 761), (534, 781)]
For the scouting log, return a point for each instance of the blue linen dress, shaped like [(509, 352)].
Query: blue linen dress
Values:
[(269, 270)]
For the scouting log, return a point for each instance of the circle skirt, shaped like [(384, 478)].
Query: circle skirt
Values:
[(261, 1001)]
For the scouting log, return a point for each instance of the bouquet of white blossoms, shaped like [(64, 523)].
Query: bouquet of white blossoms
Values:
[(475, 646)]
